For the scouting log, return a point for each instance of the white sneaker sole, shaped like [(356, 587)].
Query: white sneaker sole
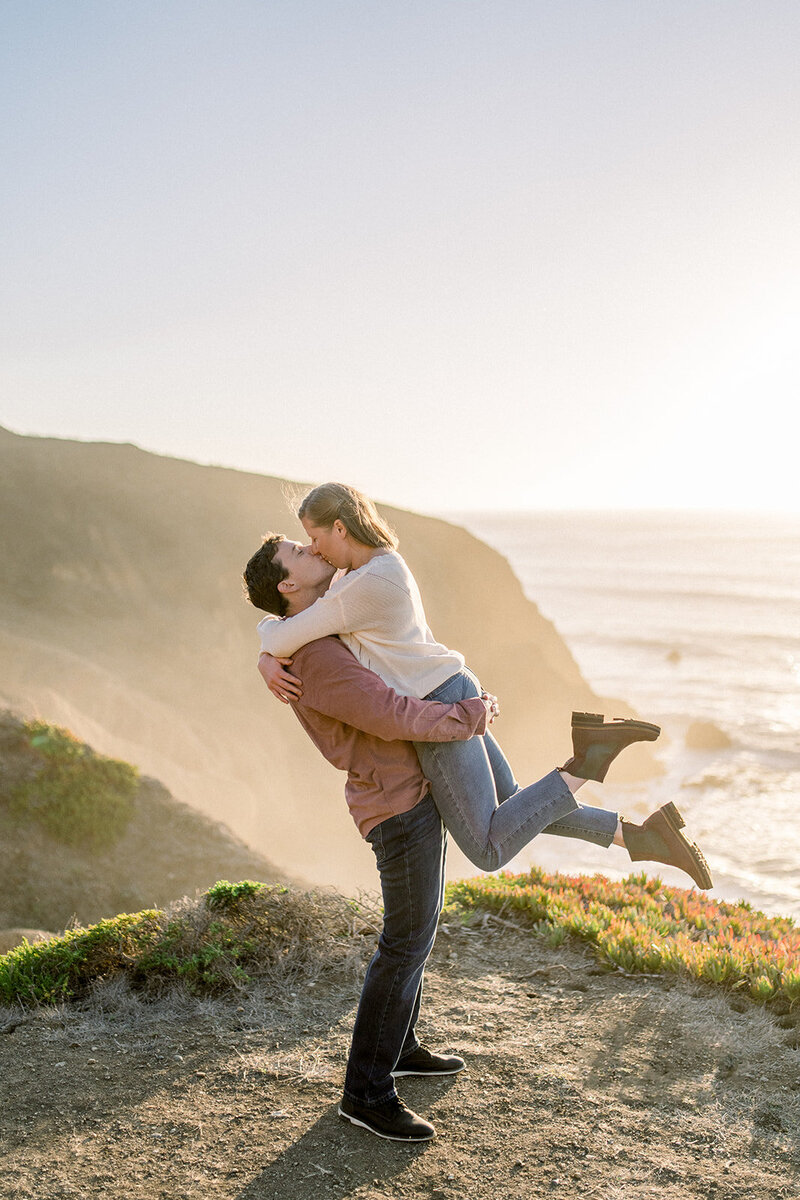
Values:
[(429, 1074)]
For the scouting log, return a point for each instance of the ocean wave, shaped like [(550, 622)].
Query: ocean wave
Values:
[(689, 621), (780, 649), (652, 591)]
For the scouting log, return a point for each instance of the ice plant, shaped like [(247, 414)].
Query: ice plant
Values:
[(638, 924)]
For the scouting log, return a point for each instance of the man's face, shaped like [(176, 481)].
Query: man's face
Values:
[(305, 570)]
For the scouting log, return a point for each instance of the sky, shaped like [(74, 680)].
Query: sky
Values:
[(462, 254)]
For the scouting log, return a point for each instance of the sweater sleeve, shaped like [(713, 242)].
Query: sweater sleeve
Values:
[(338, 686), (363, 601), (281, 637)]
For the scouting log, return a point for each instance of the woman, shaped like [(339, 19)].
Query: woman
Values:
[(374, 606)]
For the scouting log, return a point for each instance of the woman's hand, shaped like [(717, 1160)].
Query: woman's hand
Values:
[(283, 685), (492, 706)]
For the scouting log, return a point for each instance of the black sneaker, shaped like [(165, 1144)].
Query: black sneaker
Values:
[(392, 1119), (423, 1062)]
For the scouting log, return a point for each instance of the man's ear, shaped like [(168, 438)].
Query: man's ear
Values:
[(286, 585)]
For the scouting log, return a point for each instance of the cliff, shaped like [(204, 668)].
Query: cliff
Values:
[(122, 618)]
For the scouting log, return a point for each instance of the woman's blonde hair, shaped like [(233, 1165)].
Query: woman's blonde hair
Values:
[(337, 502)]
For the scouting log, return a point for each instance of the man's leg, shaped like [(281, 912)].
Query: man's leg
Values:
[(416, 1059), (409, 849)]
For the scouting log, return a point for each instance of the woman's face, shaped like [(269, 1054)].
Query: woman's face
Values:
[(331, 544)]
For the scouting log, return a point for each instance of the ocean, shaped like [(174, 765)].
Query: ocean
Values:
[(690, 617)]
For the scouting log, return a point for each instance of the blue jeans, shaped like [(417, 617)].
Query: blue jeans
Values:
[(488, 815), (410, 851)]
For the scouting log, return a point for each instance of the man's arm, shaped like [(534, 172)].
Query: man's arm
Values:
[(336, 684)]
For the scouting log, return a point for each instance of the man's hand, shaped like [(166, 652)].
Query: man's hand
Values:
[(492, 706), (283, 685)]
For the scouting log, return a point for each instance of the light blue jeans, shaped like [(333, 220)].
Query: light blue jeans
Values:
[(488, 815)]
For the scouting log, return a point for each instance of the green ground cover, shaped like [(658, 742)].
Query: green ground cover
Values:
[(222, 940), (639, 925), (236, 932)]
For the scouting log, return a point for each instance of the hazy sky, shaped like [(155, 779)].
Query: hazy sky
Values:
[(461, 253)]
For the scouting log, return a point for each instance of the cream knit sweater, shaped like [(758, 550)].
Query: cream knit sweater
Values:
[(377, 612)]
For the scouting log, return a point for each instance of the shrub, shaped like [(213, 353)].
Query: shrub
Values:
[(229, 935), (66, 966), (81, 798)]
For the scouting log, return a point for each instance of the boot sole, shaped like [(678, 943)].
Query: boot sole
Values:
[(673, 816), (648, 731), (677, 823), (389, 1137)]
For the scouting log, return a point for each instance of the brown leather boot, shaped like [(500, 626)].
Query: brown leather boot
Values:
[(659, 839), (596, 743)]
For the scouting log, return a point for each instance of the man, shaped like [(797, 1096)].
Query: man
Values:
[(366, 729)]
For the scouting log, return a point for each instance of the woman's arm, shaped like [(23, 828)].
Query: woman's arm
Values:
[(362, 601), (281, 682), (281, 638)]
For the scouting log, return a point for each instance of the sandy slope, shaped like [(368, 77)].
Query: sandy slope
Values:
[(579, 1084), (121, 617)]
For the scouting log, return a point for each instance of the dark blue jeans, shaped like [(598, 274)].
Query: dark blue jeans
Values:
[(410, 852)]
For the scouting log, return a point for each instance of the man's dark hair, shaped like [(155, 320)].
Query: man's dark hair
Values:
[(262, 576)]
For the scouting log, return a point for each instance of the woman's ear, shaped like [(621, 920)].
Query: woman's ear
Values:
[(339, 527)]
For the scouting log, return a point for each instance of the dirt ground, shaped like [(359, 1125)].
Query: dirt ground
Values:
[(579, 1083)]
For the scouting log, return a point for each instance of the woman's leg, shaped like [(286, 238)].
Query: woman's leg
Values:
[(462, 778), (598, 825), (504, 782), (489, 816)]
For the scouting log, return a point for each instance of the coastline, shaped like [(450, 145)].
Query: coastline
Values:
[(692, 617)]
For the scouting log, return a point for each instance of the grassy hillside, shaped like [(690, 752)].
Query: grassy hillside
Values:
[(233, 932), (85, 837), (580, 1081), (199, 1051)]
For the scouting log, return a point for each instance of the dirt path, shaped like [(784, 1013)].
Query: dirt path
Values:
[(579, 1084)]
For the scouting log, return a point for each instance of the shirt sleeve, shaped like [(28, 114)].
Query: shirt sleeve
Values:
[(360, 603), (338, 686)]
